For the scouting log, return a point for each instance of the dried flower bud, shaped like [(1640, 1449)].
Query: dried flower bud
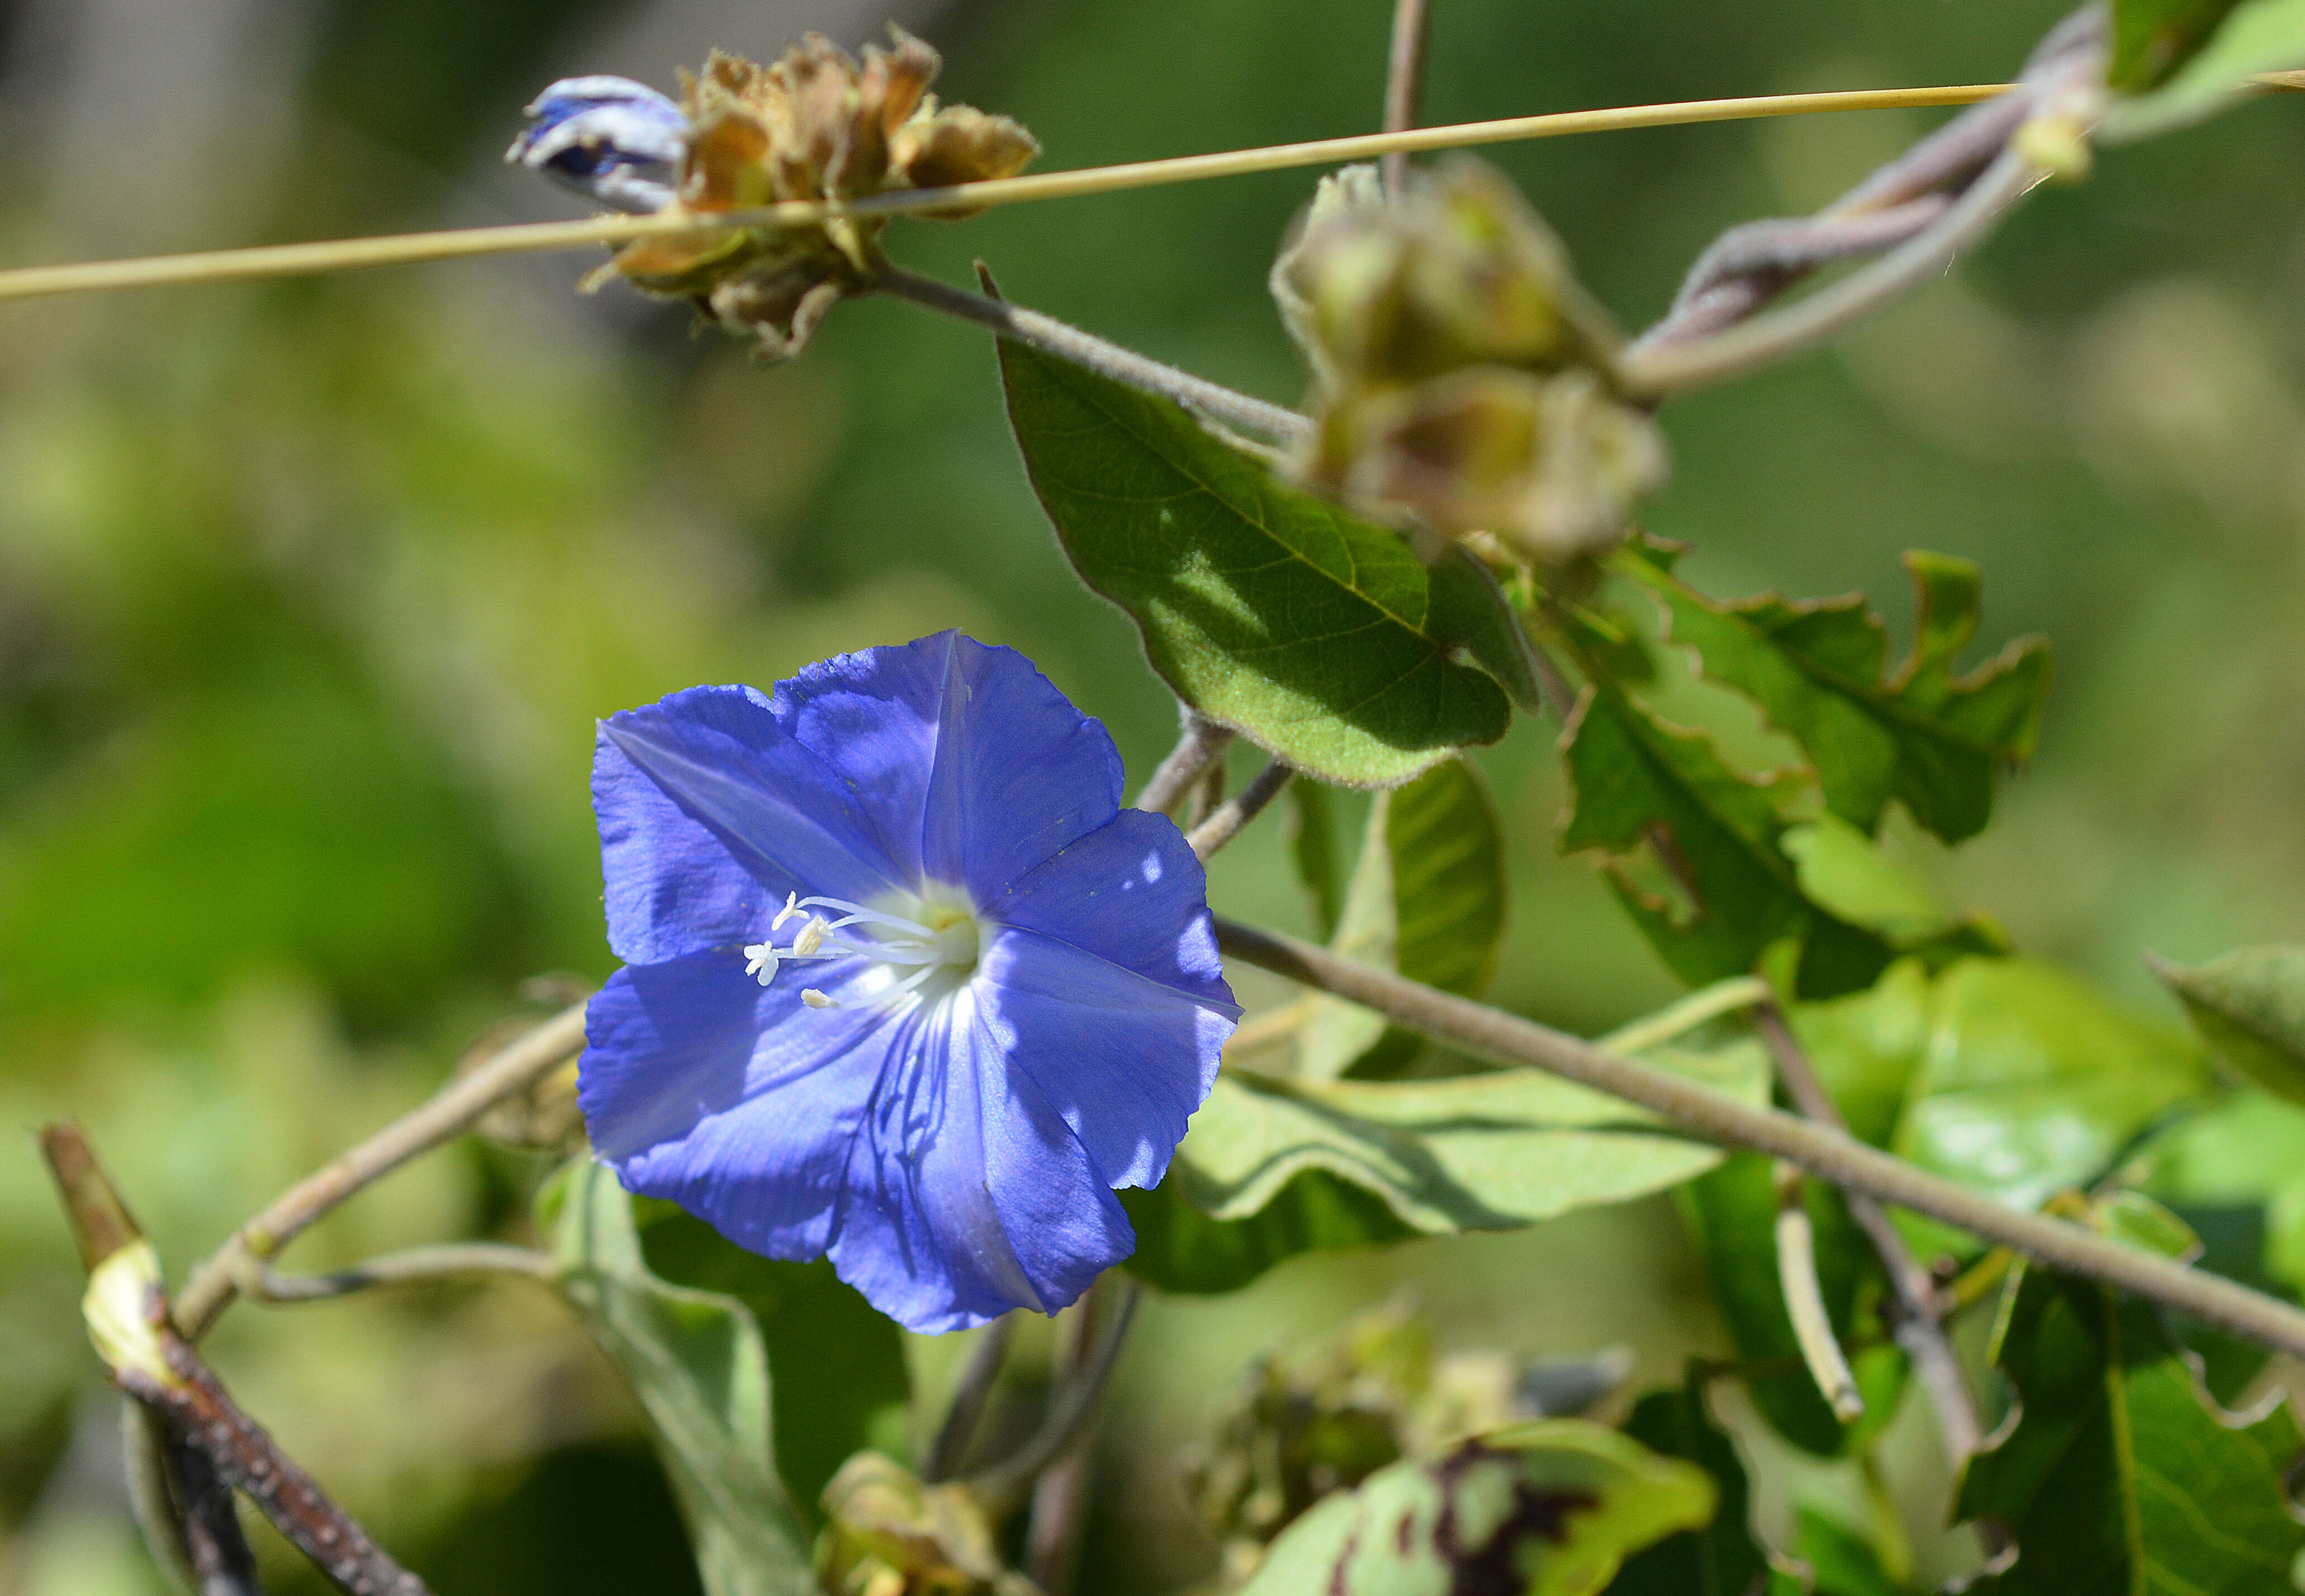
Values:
[(1549, 466), (886, 1534), (1457, 272), (615, 140), (813, 125)]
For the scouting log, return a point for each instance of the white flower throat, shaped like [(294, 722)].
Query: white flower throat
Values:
[(925, 944)]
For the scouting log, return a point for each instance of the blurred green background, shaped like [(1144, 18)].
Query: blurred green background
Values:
[(310, 591)]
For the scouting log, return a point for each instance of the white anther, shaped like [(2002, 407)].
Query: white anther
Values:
[(810, 936), (816, 999), (791, 908), (760, 960)]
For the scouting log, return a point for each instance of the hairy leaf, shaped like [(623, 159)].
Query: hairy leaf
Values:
[(1719, 1558), (1548, 1508), (2249, 1005), (858, 1388), (2257, 36), (1491, 1151), (1922, 735), (1316, 633), (1732, 1213), (1427, 899), (2118, 1474), (696, 1362)]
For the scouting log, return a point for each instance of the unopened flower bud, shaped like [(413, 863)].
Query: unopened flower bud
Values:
[(886, 1534), (615, 140)]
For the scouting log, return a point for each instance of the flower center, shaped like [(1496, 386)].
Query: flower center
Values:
[(922, 945)]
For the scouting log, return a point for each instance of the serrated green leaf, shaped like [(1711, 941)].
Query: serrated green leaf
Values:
[(1180, 1248), (1732, 1213), (2031, 1082), (2247, 1153), (1639, 783), (2249, 1005), (1310, 631), (1719, 1558), (1549, 1509), (1924, 736), (1491, 1151), (696, 1362), (2118, 1474), (2257, 36), (857, 1387), (1427, 899)]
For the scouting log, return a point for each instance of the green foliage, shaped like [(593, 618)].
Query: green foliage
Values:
[(1719, 1559), (2249, 1005), (2169, 43), (2120, 1474), (1313, 848), (1427, 898), (696, 1362), (1317, 635), (1549, 1509), (1180, 1248), (1839, 1561), (1732, 1213), (1922, 735), (1492, 1151), (858, 1387)]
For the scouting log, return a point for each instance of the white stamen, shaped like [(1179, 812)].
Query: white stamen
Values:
[(816, 999), (760, 960), (790, 909), (810, 936), (949, 944)]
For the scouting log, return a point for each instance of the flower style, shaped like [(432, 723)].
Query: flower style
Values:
[(903, 983)]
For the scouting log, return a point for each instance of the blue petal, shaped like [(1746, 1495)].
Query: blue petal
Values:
[(1133, 893), (1124, 1058), (979, 768), (730, 1099), (711, 814), (619, 142), (968, 1193)]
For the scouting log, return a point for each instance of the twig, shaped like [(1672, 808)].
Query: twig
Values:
[(1828, 1154), (967, 1410), (288, 261), (1918, 1322), (1199, 741), (1697, 344), (1004, 1486), (1060, 1497), (1404, 85), (248, 1459), (259, 1282), (456, 1106), (1678, 1018), (129, 1320), (1106, 358), (1804, 1296), (1207, 795), (1237, 812)]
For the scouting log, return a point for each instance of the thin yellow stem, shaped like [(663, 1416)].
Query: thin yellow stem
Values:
[(287, 261)]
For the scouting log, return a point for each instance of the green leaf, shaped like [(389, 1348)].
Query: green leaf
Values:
[(1716, 833), (696, 1362), (2032, 1082), (1548, 1508), (2120, 1474), (857, 1391), (1180, 1248), (2245, 1153), (1428, 900), (2152, 39), (1840, 870), (1312, 631), (1924, 736), (1731, 1214), (1491, 1151), (2250, 1007), (1840, 1562), (1313, 846), (1719, 1558), (2259, 36)]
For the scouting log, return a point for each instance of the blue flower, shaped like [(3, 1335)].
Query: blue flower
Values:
[(904, 982), (619, 142)]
